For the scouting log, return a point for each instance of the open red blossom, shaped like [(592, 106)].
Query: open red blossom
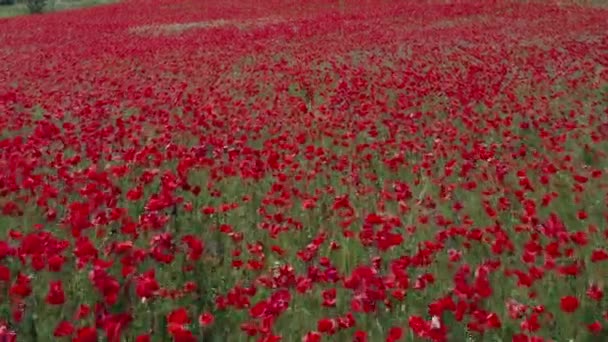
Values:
[(531, 324), (114, 325), (178, 316), (22, 286), (582, 215), (394, 334), (326, 325), (143, 338), (259, 309), (521, 338), (5, 274), (595, 292), (270, 338), (176, 325), (595, 327), (64, 328), (312, 336), (146, 285), (195, 246), (205, 319), (86, 334), (7, 334), (82, 312), (329, 297), (181, 334), (346, 321), (56, 262), (55, 296), (599, 254), (208, 210), (493, 321), (572, 269), (569, 304), (360, 336), (135, 194)]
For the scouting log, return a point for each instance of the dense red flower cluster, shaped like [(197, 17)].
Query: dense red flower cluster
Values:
[(305, 170)]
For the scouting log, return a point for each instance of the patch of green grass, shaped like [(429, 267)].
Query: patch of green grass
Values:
[(18, 9), (7, 11), (71, 4)]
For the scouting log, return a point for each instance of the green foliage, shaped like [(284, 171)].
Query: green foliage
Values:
[(36, 6)]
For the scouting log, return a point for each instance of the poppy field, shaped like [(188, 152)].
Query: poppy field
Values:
[(310, 170)]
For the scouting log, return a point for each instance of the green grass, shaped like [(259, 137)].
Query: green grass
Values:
[(53, 6), (7, 11)]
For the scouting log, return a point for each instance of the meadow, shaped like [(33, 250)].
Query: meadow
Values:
[(305, 171)]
